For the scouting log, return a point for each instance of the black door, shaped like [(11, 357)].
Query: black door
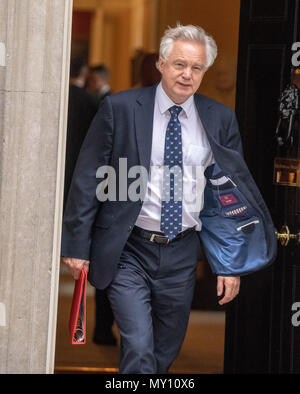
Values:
[(262, 332)]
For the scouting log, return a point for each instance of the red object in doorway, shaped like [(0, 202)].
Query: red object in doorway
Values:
[(77, 322)]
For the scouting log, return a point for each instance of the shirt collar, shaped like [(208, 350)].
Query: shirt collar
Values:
[(164, 101)]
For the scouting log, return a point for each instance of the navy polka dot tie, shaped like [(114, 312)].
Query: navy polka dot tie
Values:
[(171, 209)]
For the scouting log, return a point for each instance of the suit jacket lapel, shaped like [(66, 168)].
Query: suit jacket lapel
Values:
[(144, 111), (206, 117), (206, 113)]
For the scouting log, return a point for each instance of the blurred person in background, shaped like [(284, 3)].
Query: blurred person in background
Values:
[(81, 111), (98, 82)]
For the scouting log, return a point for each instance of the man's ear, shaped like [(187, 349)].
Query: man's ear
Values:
[(161, 64)]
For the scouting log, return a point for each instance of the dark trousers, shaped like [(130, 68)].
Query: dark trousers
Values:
[(151, 296)]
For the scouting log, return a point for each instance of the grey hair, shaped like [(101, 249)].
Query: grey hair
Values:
[(188, 33)]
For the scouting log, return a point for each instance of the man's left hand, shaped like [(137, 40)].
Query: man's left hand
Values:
[(232, 288)]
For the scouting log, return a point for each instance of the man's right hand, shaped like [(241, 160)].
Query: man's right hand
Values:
[(75, 266)]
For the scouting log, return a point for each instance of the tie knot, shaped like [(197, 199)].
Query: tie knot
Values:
[(175, 110)]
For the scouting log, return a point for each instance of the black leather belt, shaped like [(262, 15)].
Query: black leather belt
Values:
[(160, 238)]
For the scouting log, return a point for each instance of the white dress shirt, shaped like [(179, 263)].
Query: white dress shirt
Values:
[(197, 155)]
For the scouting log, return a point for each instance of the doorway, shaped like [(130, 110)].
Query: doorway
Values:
[(260, 334), (101, 32)]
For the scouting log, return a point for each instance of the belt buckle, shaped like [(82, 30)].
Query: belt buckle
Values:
[(153, 236)]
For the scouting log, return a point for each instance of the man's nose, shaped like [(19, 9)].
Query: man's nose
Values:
[(187, 73)]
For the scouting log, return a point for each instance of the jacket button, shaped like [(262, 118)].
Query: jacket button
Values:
[(129, 228)]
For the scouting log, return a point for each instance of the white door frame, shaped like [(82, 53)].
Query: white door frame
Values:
[(65, 72)]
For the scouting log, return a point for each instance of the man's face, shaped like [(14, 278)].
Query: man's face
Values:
[(95, 83), (183, 70)]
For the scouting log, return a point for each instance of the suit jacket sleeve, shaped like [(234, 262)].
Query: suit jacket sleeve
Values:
[(233, 140), (82, 204)]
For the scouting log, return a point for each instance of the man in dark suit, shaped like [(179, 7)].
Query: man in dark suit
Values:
[(157, 163)]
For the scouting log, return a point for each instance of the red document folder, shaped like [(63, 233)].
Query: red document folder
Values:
[(77, 322)]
